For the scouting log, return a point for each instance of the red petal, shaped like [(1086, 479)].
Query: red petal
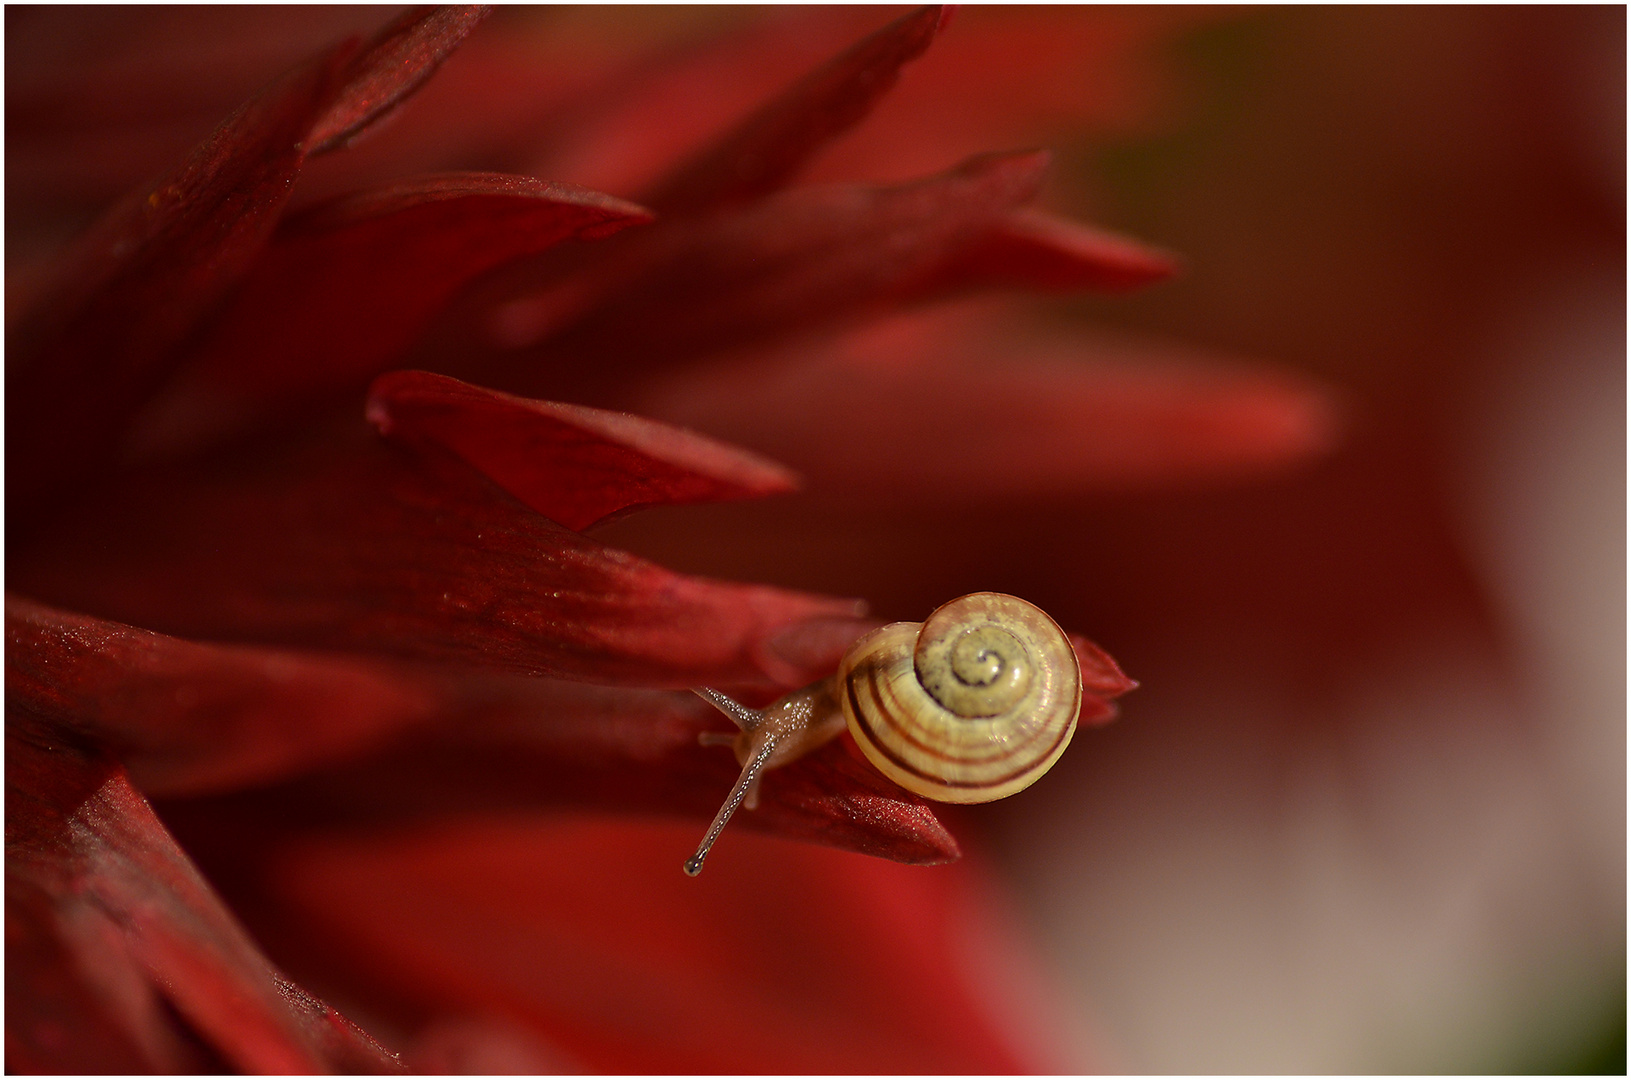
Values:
[(187, 717), (1032, 250), (193, 718), (799, 259), (110, 926), (1101, 681), (783, 959), (98, 344), (345, 287), (103, 339), (766, 150), (832, 796), (572, 464), (391, 67), (1089, 73), (953, 406), (533, 745), (102, 98), (1100, 673), (345, 543), (668, 103), (508, 91)]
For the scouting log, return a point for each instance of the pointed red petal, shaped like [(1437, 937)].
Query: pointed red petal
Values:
[(1032, 250), (98, 344), (832, 796), (1100, 673), (508, 91), (667, 103), (1102, 680), (1023, 75), (101, 98), (955, 406), (348, 543), (764, 152), (347, 286), (572, 464), (188, 717), (504, 745), (95, 882), (103, 339), (797, 260), (391, 67), (191, 718)]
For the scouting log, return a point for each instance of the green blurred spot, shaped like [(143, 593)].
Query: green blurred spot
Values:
[(1223, 62), (1603, 1055)]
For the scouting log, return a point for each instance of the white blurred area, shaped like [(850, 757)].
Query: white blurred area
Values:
[(1543, 472), (1426, 871), (1441, 888)]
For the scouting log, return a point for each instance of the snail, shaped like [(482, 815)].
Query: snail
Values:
[(973, 704)]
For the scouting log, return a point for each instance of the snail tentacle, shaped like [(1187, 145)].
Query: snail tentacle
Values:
[(787, 729), (743, 717), (739, 792)]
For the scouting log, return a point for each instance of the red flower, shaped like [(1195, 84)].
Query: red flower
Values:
[(344, 621)]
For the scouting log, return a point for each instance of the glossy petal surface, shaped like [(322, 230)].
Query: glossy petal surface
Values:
[(572, 464)]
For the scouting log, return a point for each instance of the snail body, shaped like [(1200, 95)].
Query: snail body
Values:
[(971, 705)]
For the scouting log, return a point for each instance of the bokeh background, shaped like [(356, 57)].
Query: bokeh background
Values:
[(1367, 811), (1370, 814)]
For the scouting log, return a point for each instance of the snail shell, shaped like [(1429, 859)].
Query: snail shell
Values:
[(973, 704)]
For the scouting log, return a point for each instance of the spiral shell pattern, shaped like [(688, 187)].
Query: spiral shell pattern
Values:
[(973, 704)]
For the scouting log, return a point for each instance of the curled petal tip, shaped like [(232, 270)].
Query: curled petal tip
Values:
[(1101, 675)]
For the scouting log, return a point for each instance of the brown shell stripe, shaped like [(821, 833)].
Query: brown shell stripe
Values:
[(908, 767)]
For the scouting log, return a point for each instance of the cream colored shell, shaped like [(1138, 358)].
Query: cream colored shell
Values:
[(973, 704)]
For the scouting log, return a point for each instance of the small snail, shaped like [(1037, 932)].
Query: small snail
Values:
[(973, 704)]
